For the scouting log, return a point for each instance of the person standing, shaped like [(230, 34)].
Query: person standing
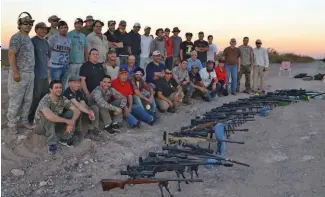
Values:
[(247, 61), (261, 64), (124, 50), (146, 40), (79, 50), (169, 49), (42, 55), (53, 20), (186, 47), (232, 60), (111, 64), (21, 75), (88, 28), (213, 51), (130, 66), (98, 41), (202, 48), (158, 44), (60, 45), (135, 42), (176, 46)]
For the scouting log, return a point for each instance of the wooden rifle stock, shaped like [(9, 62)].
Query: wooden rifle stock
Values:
[(108, 184)]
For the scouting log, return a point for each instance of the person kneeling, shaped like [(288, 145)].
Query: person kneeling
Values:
[(196, 81), (169, 93), (182, 77), (55, 118), (78, 98), (222, 77), (143, 93), (110, 104), (210, 80), (132, 112)]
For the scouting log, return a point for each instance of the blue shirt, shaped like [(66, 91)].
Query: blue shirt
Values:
[(151, 69), (78, 43), (60, 51), (190, 63), (42, 52), (131, 72)]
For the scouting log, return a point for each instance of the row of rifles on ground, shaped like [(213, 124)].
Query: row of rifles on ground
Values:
[(183, 151)]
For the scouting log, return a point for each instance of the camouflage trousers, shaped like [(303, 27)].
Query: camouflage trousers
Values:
[(20, 98), (244, 69)]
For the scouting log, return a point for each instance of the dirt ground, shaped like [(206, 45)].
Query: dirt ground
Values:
[(285, 150)]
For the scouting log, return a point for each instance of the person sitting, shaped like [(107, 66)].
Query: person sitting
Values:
[(78, 98), (143, 93), (110, 104), (198, 84), (210, 80), (154, 69), (194, 60), (181, 76), (133, 112), (130, 66), (169, 93), (221, 75), (55, 118)]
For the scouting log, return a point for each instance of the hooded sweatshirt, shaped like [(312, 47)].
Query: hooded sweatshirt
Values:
[(158, 45)]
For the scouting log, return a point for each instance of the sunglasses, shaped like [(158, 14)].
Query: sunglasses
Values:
[(30, 24), (168, 73), (258, 43)]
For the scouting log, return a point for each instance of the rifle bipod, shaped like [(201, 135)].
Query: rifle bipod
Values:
[(164, 185)]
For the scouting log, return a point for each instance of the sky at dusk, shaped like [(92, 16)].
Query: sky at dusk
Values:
[(287, 25)]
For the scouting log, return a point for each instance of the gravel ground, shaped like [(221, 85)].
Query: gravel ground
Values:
[(286, 152)]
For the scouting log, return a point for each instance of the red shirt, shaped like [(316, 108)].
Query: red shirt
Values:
[(221, 75), (125, 89), (169, 46)]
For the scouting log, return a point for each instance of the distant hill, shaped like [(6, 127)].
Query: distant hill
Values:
[(4, 57)]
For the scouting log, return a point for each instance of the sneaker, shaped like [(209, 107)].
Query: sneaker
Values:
[(92, 134), (115, 125), (171, 110), (69, 142), (51, 149), (13, 130), (233, 93), (153, 121), (111, 130), (138, 125)]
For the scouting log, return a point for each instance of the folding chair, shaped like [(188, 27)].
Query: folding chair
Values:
[(285, 66)]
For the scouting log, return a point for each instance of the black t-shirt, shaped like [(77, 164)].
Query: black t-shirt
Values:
[(110, 36), (202, 56), (187, 48), (78, 95), (93, 73), (166, 87)]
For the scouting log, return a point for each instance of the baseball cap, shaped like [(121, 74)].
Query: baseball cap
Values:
[(123, 70), (122, 22), (136, 25), (78, 20), (111, 22), (147, 27), (53, 18), (74, 78), (41, 25), (232, 40), (156, 53), (89, 18)]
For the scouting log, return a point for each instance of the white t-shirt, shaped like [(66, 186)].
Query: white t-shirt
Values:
[(206, 76), (212, 50), (145, 45)]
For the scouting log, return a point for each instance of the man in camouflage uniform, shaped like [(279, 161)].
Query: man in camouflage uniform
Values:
[(21, 75), (55, 118), (247, 61), (53, 20)]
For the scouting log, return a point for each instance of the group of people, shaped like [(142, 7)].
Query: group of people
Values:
[(60, 80)]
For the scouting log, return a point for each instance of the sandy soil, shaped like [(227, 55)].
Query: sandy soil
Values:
[(286, 152)]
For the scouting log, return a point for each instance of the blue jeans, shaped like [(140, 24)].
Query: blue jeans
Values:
[(138, 101), (232, 70), (169, 63), (60, 74), (137, 60), (219, 130), (138, 113)]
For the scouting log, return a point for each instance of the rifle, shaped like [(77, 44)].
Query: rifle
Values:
[(173, 149), (178, 138), (108, 184)]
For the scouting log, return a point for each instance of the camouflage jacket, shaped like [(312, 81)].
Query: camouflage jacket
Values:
[(104, 99)]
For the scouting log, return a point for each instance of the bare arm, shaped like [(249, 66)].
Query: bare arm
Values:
[(80, 105), (84, 86), (162, 97), (76, 113), (130, 102), (86, 53), (139, 94), (49, 115)]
